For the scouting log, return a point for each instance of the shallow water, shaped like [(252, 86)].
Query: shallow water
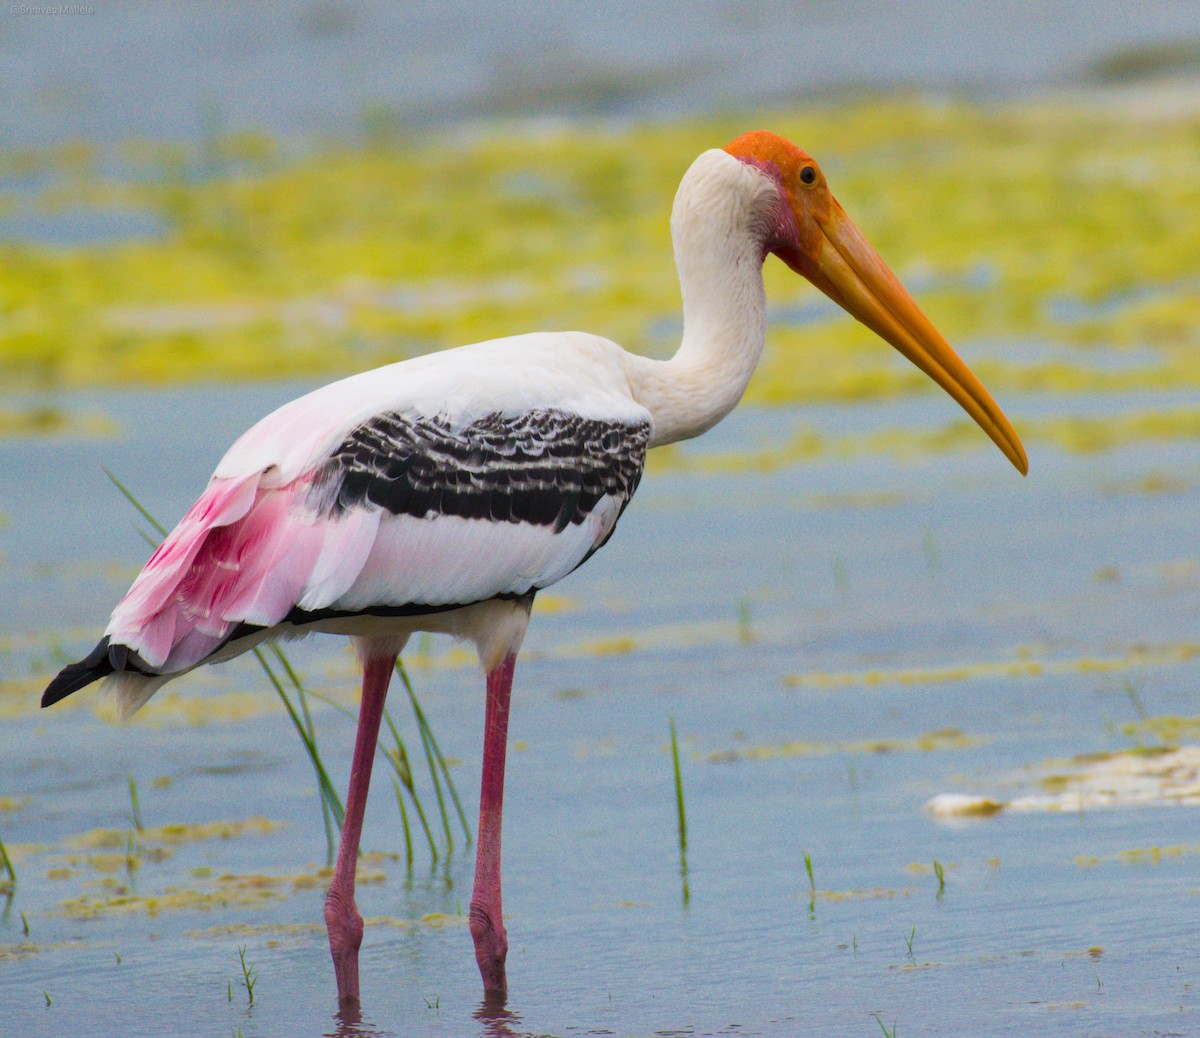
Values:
[(831, 640)]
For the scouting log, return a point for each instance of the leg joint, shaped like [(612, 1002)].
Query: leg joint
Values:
[(344, 923)]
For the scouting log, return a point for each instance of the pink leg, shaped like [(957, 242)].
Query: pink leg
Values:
[(487, 921), (341, 915)]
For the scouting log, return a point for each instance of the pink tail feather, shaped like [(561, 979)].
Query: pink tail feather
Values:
[(224, 502), (242, 554)]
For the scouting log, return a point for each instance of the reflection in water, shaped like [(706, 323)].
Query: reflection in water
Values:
[(493, 1013), (498, 1020), (350, 1024)]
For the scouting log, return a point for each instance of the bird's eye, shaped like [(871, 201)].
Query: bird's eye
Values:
[(808, 174)]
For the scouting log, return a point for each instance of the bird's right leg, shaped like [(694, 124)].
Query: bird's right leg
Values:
[(486, 918), (341, 915)]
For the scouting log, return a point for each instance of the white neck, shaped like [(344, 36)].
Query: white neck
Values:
[(718, 234)]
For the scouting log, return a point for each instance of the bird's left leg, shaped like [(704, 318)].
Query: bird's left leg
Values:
[(486, 918), (341, 915)]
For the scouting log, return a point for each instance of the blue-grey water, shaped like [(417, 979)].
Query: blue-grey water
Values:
[(728, 586), (304, 68), (719, 603)]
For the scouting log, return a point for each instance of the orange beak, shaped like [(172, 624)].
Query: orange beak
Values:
[(843, 265), (824, 245)]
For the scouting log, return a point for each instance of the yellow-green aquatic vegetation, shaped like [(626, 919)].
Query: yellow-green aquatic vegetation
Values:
[(24, 949), (1171, 728), (1075, 225), (943, 739), (51, 421), (110, 895), (1072, 433), (1024, 666), (177, 833), (864, 894), (277, 934)]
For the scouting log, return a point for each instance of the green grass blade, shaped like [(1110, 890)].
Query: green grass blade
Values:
[(335, 802), (681, 812), (6, 861), (812, 885), (136, 503), (133, 799), (398, 759), (431, 760), (147, 538), (427, 734), (433, 849), (322, 698), (399, 756), (297, 684), (310, 728), (408, 851)]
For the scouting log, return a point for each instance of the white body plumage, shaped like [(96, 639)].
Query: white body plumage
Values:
[(277, 546), (441, 493)]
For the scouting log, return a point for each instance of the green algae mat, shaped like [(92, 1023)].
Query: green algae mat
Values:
[(1072, 227)]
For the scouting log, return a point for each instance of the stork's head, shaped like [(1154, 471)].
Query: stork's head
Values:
[(812, 234)]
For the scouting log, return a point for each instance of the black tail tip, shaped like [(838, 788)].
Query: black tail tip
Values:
[(74, 676)]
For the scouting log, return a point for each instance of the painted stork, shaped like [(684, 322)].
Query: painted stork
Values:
[(442, 493)]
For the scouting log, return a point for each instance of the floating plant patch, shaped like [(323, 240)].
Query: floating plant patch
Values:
[(1132, 778)]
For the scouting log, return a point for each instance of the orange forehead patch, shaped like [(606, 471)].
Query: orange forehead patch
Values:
[(762, 146)]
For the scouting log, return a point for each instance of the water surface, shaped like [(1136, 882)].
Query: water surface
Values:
[(796, 625)]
